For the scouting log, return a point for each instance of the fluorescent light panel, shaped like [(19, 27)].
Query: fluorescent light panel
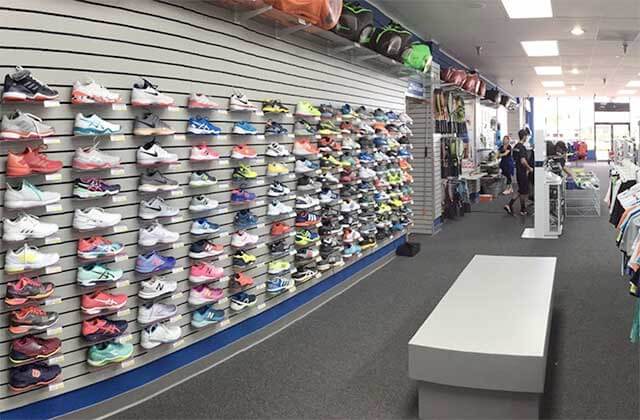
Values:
[(540, 48), (626, 92), (556, 92), (634, 83), (548, 70), (528, 9), (552, 83)]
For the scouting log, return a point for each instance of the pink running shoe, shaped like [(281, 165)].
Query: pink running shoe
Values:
[(203, 293), (205, 271), (201, 153)]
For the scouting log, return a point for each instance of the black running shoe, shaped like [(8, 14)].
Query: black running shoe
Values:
[(21, 86), (279, 248)]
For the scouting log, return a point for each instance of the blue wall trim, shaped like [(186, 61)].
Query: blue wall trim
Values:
[(100, 391)]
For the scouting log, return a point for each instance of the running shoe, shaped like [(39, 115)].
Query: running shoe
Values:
[(147, 94), (153, 262), (25, 226), (21, 86), (201, 125), (278, 267), (30, 349), (87, 188), (155, 208), (242, 151), (241, 280), (206, 315), (156, 287), (306, 237), (278, 189), (306, 202), (204, 227), (346, 127), (278, 285), (302, 147), (242, 301), (276, 169), (306, 183), (242, 259), (91, 158), (99, 301), (202, 153), (241, 239), (346, 112), (306, 109), (33, 375), (240, 196), (202, 203), (273, 128), (153, 312), (200, 100), (304, 166), (27, 289), (31, 161), (99, 329), (327, 128), (303, 128), (277, 208), (31, 318), (94, 218), (90, 92), (202, 179), (368, 242), (244, 127), (279, 229), (90, 275), (328, 196), (203, 272), (150, 124), (274, 106), (205, 248), (155, 234), (304, 275), (279, 248), (103, 354), (244, 172), (276, 150), (98, 247), (326, 111), (239, 102), (244, 219), (152, 153), (93, 125), (157, 334), (18, 125), (204, 293), (28, 258)]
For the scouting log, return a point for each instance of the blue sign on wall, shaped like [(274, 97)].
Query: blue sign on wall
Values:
[(415, 89)]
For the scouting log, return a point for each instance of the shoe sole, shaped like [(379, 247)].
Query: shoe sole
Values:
[(202, 324), (152, 188), (105, 362), (237, 130), (11, 269), (240, 156), (37, 357), (20, 301), (202, 132), (28, 204), (97, 310), (91, 166), (23, 97), (240, 306), (36, 385), (26, 328), (200, 184), (88, 132), (151, 103), (153, 132), (143, 162)]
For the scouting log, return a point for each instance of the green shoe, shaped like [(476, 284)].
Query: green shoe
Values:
[(244, 172), (105, 353), (305, 109), (278, 267), (89, 275)]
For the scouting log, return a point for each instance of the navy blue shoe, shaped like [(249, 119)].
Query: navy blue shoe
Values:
[(26, 377), (273, 128), (244, 219)]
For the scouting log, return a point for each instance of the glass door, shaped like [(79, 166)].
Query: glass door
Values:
[(621, 130), (603, 137)]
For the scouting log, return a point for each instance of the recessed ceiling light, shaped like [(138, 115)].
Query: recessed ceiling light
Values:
[(577, 30), (556, 92), (573, 88), (626, 92), (523, 9), (552, 83), (634, 83), (575, 70), (548, 70), (540, 48)]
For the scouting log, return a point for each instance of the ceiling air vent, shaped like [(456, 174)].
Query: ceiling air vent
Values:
[(617, 35)]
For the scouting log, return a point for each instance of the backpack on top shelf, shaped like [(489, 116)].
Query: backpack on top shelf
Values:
[(391, 40), (356, 23), (417, 56)]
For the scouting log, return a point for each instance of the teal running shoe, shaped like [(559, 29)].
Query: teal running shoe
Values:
[(105, 353), (206, 316), (90, 275)]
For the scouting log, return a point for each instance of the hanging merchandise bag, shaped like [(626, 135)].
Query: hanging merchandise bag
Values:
[(356, 23), (321, 13), (471, 83), (391, 40), (418, 57)]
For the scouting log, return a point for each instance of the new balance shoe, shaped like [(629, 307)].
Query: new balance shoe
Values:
[(305, 219), (347, 112), (147, 94), (203, 272), (202, 179), (87, 188), (306, 109), (90, 92), (200, 100), (277, 208), (21, 86), (152, 154), (30, 349), (201, 203), (204, 293), (302, 147), (26, 290), (25, 226), (305, 166), (201, 125), (155, 233), (206, 315), (27, 196), (306, 202), (242, 301), (31, 318), (244, 127), (243, 172), (278, 189), (204, 227), (92, 158), (205, 248), (240, 196), (152, 180), (99, 301), (149, 124), (99, 329), (18, 125), (155, 208), (276, 168), (278, 285), (94, 218), (279, 248), (153, 262), (158, 334), (241, 239), (92, 274), (202, 153), (303, 128), (306, 237), (239, 102), (279, 229), (304, 254), (244, 219), (273, 128), (33, 375), (98, 247), (328, 196), (156, 287), (274, 106), (276, 150), (242, 151), (154, 312)]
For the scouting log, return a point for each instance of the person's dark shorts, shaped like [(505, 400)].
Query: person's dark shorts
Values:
[(523, 182)]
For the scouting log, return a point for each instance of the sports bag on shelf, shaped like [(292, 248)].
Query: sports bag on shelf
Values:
[(391, 40), (493, 95), (482, 88), (453, 75), (321, 13), (356, 23), (471, 83), (417, 56)]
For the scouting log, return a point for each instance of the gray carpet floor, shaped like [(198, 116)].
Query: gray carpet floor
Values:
[(348, 359)]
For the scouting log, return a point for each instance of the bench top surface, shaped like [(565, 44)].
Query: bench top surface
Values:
[(498, 305)]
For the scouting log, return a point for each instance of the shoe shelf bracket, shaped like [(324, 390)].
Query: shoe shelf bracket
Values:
[(241, 17), (283, 32)]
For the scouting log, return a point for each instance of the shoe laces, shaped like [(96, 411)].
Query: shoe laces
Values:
[(36, 310), (26, 281)]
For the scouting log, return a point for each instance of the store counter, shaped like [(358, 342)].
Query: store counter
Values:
[(482, 353)]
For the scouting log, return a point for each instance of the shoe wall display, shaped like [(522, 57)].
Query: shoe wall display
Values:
[(153, 206)]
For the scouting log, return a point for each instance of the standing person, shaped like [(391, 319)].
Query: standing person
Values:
[(507, 165), (523, 169)]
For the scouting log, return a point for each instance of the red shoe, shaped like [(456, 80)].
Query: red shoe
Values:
[(346, 127), (242, 279), (39, 162), (16, 165), (99, 329), (29, 349), (347, 176), (102, 301), (278, 229)]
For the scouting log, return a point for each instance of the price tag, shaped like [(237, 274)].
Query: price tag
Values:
[(177, 193), (176, 296), (128, 363), (261, 287), (119, 171), (291, 136), (120, 228), (292, 176), (223, 161), (53, 208), (54, 331), (52, 240), (56, 360), (175, 166), (179, 137), (51, 104), (260, 182), (223, 257), (56, 386), (223, 186), (123, 257), (119, 107), (52, 301), (176, 270), (262, 306), (178, 343), (223, 301), (177, 245), (119, 198), (260, 265), (260, 225), (53, 177), (51, 140), (122, 283), (292, 234), (124, 338), (259, 113), (261, 137), (53, 269), (318, 259), (260, 246), (116, 137), (173, 108), (123, 312), (175, 318), (293, 213), (224, 323), (177, 219), (292, 252), (318, 275)]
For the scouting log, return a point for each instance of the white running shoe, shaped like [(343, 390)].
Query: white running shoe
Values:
[(199, 100), (152, 312), (27, 196), (26, 226), (239, 102), (91, 158), (156, 286), (158, 334), (242, 238), (147, 94), (28, 258), (94, 218), (306, 202), (156, 207), (276, 150), (152, 154), (92, 93), (276, 208), (202, 203), (156, 233), (93, 125)]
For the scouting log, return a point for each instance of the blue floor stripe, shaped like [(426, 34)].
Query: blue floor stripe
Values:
[(100, 391)]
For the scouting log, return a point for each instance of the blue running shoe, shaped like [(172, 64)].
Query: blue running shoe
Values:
[(346, 111), (201, 125), (278, 284), (273, 128), (365, 157), (244, 219), (154, 262), (404, 153), (242, 300), (397, 227), (204, 227), (380, 142), (240, 196), (244, 127), (392, 116), (206, 315)]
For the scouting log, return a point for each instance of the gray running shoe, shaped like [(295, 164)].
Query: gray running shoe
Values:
[(202, 203), (21, 125), (151, 125), (21, 86), (156, 207), (31, 318), (202, 179), (149, 313), (153, 181), (303, 128)]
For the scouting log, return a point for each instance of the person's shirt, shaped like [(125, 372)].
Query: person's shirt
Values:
[(506, 159), (519, 152)]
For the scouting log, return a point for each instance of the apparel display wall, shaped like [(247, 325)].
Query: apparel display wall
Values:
[(183, 48)]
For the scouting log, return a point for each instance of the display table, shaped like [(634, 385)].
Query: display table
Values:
[(482, 353)]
